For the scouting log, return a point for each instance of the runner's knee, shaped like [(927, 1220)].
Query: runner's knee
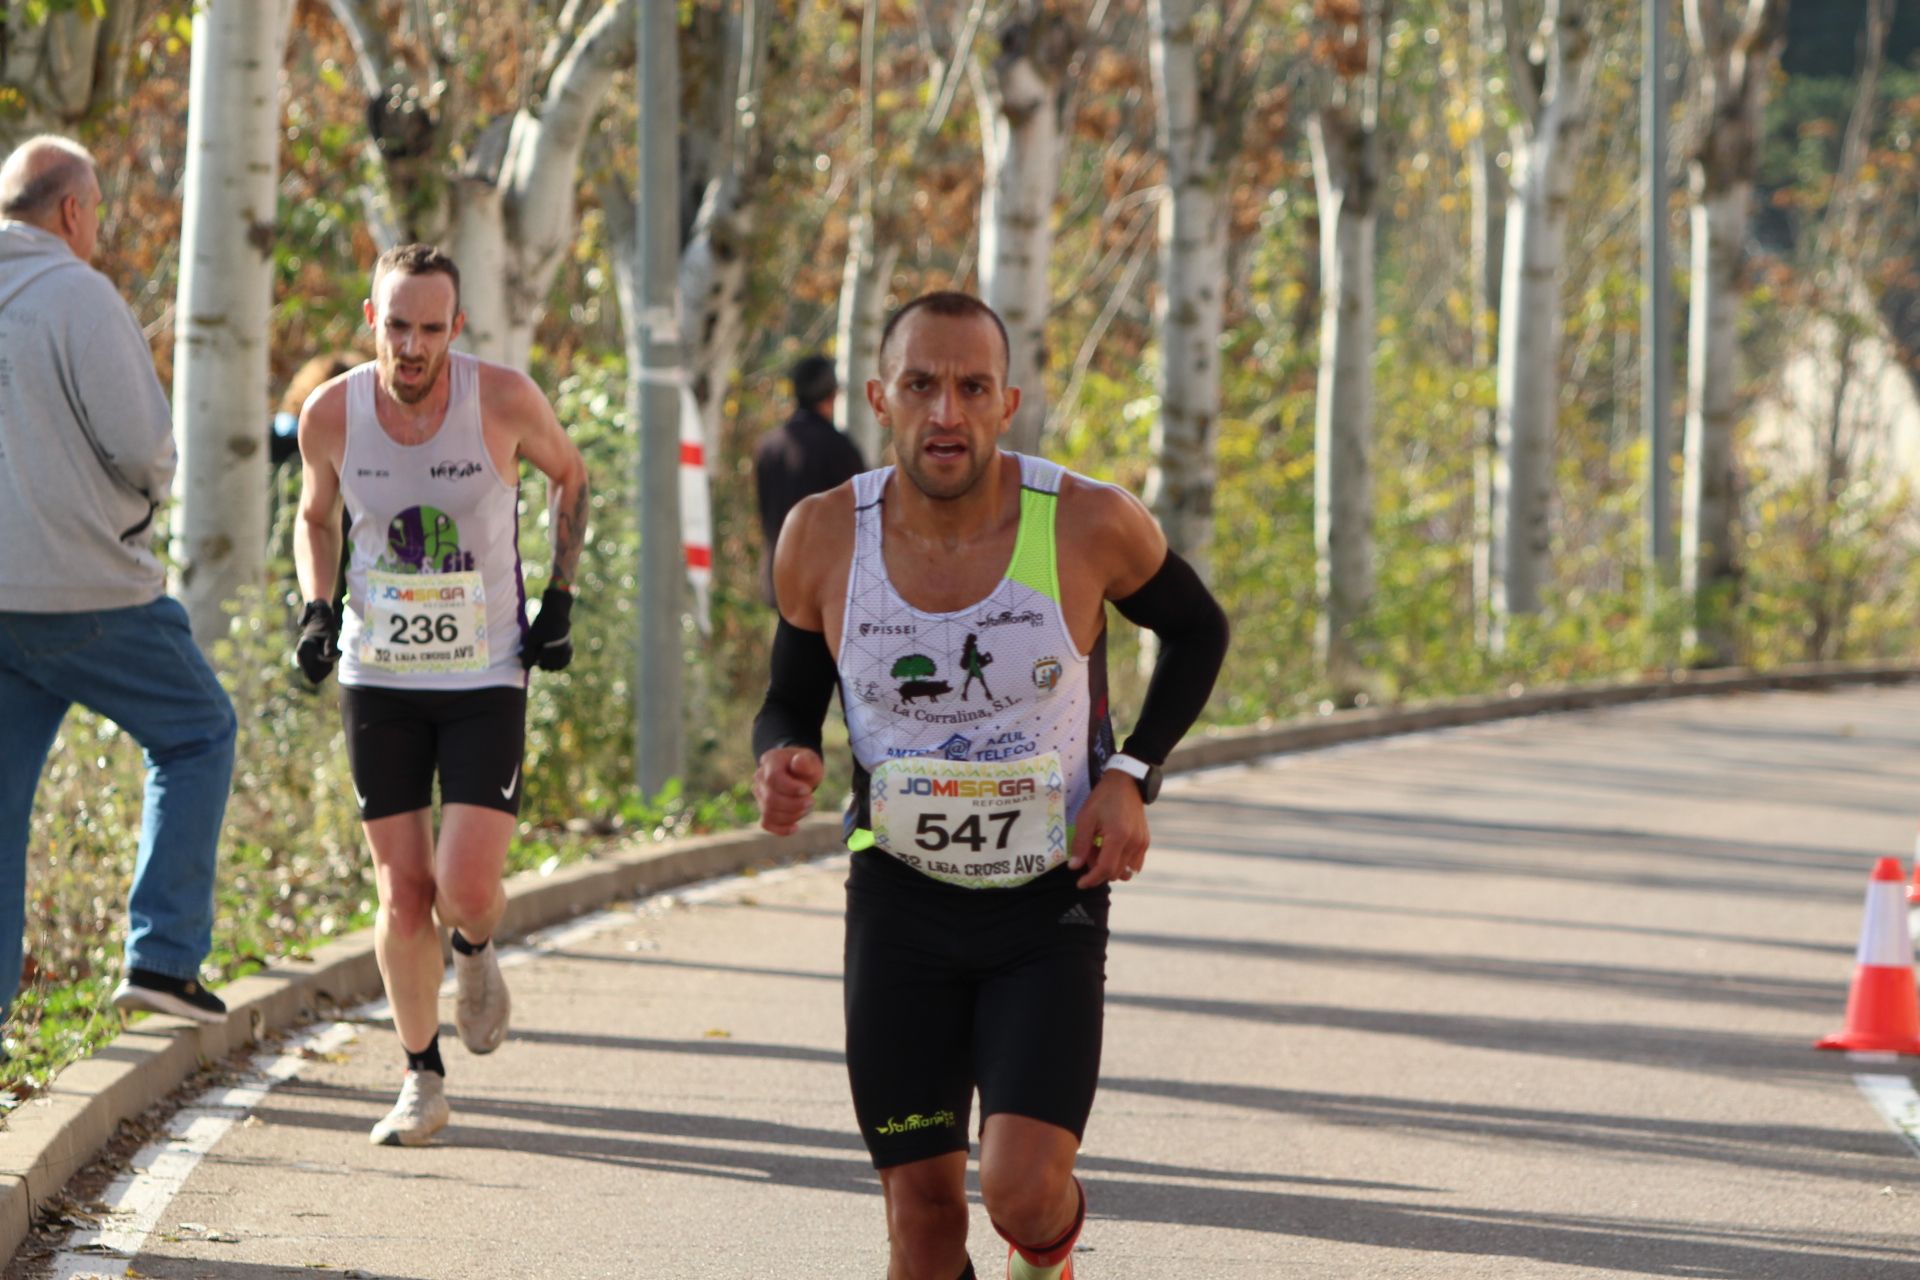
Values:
[(922, 1220), (468, 900), (1024, 1203), (407, 902)]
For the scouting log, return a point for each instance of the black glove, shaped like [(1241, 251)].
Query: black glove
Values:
[(319, 647), (549, 641)]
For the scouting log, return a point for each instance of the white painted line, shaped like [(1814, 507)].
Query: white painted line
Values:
[(1894, 1098), (137, 1199)]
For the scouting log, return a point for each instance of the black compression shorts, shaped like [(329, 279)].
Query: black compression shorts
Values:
[(949, 989), (397, 739)]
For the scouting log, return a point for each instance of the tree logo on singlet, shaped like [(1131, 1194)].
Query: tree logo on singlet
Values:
[(916, 671), (425, 540), (975, 662)]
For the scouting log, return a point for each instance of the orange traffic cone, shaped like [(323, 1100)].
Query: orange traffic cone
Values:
[(1883, 1009)]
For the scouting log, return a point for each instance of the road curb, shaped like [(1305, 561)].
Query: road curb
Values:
[(52, 1136)]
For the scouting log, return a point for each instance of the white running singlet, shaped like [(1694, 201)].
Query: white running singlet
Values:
[(435, 598), (976, 733)]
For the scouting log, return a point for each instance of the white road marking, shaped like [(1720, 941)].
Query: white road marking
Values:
[(136, 1200), (1894, 1098)]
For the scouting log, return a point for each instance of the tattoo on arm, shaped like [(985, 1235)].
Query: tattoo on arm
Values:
[(569, 520)]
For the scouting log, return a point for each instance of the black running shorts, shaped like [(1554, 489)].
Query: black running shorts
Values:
[(397, 739), (952, 989)]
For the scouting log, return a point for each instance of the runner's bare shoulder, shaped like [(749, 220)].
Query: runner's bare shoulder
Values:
[(814, 550), (1105, 526), (323, 419)]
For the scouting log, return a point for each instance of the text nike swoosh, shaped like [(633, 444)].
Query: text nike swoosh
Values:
[(506, 792)]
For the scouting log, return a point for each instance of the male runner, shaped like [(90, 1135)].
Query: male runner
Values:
[(424, 445), (985, 830)]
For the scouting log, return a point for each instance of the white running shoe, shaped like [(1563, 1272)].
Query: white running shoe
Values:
[(481, 1002), (421, 1112)]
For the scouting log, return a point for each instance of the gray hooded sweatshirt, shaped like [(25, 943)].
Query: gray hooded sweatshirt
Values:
[(86, 438)]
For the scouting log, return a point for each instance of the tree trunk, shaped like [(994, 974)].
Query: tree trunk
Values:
[(65, 66), (1023, 148), (653, 398), (1708, 566), (226, 294), (1193, 263), (1344, 183), (713, 266), (1546, 146), (856, 343), (1735, 57), (1486, 250), (509, 211)]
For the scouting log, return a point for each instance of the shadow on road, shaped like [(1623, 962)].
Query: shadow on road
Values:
[(1860, 1157)]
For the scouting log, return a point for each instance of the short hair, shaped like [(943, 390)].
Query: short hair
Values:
[(954, 305), (418, 260), (30, 198), (813, 380)]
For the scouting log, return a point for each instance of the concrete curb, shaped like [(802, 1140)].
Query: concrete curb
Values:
[(51, 1137)]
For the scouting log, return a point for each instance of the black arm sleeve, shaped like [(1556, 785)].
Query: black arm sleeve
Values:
[(804, 678), (1176, 606)]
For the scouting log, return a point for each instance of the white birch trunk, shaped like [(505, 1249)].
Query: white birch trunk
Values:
[(64, 66), (1343, 409), (509, 217), (713, 285), (1735, 56), (477, 237), (1486, 250), (1545, 150), (1022, 147), (856, 344), (713, 266), (225, 298), (1708, 509), (1193, 264)]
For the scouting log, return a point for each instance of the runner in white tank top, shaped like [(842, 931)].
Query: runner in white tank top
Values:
[(958, 601), (424, 447), (974, 729), (435, 598)]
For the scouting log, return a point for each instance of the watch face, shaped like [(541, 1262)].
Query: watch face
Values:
[(1150, 785)]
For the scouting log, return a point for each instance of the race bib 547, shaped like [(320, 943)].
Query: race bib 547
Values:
[(980, 824)]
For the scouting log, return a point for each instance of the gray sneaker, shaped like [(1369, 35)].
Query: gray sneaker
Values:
[(421, 1112), (481, 1002)]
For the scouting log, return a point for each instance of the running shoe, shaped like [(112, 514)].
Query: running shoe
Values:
[(420, 1112), (144, 991), (481, 1003)]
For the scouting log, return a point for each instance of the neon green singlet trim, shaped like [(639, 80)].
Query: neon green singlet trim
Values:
[(1033, 565), (1033, 562)]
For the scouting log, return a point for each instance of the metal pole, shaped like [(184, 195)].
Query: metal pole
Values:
[(1656, 305), (653, 396)]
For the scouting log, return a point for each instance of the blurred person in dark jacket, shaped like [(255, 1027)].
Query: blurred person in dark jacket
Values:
[(803, 456)]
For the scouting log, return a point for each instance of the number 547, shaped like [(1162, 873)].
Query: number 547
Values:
[(933, 833)]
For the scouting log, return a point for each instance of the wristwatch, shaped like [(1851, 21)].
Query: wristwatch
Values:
[(1145, 776)]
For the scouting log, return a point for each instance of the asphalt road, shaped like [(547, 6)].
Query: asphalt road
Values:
[(1535, 999)]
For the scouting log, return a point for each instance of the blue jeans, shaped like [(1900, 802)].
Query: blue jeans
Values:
[(139, 668)]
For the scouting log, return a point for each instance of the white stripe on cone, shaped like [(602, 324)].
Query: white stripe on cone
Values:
[(1883, 1008)]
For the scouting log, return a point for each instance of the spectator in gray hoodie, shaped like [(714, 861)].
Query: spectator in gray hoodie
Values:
[(86, 457)]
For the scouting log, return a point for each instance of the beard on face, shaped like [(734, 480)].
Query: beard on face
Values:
[(407, 393), (948, 485)]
